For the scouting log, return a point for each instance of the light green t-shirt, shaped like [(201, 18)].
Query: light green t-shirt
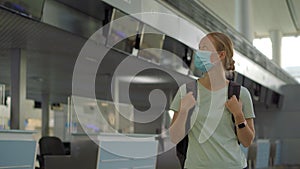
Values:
[(212, 141)]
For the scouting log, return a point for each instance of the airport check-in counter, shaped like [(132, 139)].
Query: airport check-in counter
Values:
[(95, 143), (113, 151), (263, 153), (134, 151), (17, 149), (84, 151), (58, 162)]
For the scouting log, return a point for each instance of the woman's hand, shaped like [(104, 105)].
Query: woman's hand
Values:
[(187, 102), (245, 135), (234, 106)]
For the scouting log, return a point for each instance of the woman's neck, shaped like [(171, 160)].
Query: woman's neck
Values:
[(214, 80)]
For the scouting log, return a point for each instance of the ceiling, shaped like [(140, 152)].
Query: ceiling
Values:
[(51, 56), (267, 15)]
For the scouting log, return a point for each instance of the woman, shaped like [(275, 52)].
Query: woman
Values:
[(213, 143)]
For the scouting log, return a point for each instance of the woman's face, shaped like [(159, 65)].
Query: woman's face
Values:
[(206, 44)]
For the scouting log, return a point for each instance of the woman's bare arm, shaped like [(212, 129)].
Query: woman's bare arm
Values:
[(177, 129)]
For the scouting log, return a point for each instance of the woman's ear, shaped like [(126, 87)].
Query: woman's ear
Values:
[(222, 55)]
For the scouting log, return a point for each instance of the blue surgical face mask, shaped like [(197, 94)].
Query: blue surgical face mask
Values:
[(202, 60)]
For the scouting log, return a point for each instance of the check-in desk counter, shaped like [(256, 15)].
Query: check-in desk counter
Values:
[(263, 153), (114, 151), (134, 151), (84, 151), (17, 149), (58, 162)]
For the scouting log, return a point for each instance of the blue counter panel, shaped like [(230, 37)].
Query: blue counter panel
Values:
[(17, 154)]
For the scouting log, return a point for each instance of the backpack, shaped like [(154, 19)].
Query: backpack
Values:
[(181, 147)]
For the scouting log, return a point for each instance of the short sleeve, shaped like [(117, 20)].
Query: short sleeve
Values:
[(247, 103), (175, 105)]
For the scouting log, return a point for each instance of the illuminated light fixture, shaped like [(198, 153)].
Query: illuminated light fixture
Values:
[(104, 104), (142, 79)]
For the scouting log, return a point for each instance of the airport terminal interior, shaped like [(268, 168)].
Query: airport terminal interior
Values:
[(88, 84)]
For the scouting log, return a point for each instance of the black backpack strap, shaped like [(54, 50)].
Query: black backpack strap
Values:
[(234, 89), (181, 147), (190, 87)]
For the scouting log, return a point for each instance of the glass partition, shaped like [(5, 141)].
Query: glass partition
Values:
[(97, 116)]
